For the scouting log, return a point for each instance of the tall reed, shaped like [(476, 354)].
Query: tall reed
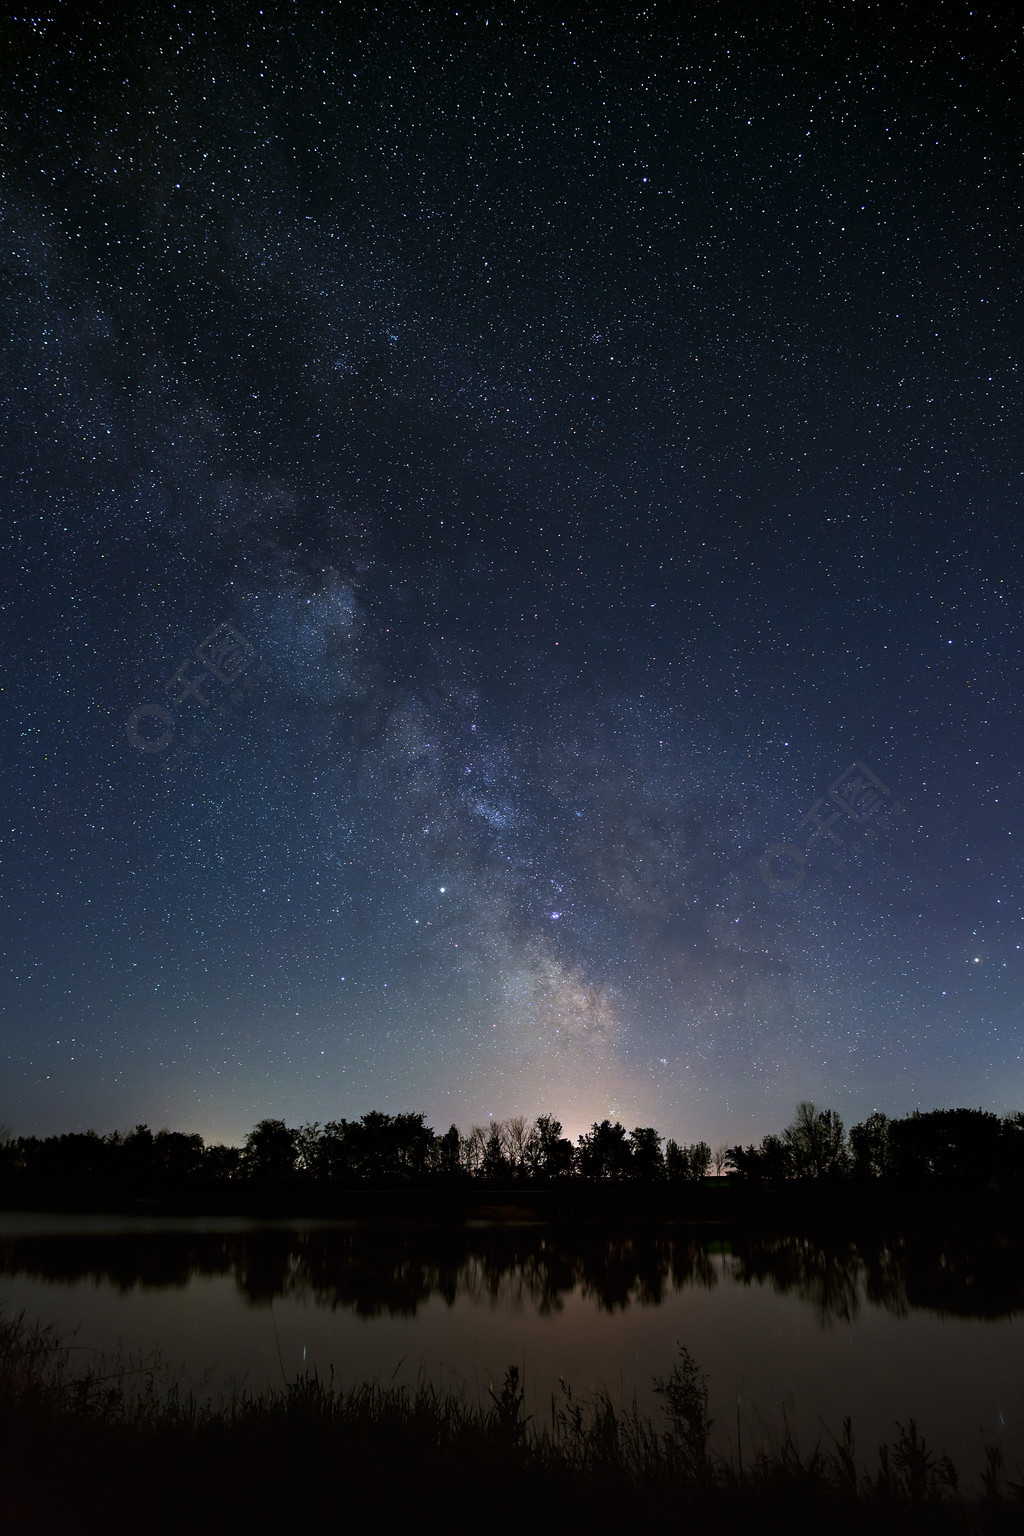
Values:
[(91, 1444)]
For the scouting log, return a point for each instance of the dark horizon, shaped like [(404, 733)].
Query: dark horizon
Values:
[(951, 1152)]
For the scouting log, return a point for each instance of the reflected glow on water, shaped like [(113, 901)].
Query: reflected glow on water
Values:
[(928, 1327)]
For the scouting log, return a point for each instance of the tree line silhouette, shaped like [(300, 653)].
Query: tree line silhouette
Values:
[(947, 1147)]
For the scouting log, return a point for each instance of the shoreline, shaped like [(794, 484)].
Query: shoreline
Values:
[(831, 1210)]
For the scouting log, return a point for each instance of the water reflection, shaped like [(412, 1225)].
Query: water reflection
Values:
[(375, 1272)]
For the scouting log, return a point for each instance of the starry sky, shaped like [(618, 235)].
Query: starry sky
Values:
[(511, 552)]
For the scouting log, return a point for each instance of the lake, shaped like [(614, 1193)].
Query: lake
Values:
[(795, 1330)]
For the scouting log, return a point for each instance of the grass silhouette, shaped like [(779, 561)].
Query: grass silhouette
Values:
[(120, 1446)]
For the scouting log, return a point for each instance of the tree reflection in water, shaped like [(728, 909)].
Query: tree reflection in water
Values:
[(393, 1271)]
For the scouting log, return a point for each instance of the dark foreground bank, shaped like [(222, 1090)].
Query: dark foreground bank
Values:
[(117, 1448)]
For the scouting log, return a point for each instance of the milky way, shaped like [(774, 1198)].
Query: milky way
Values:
[(477, 485)]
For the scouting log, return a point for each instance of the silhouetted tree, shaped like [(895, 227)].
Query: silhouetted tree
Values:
[(386, 1148), (949, 1145), (517, 1137), (77, 1166), (447, 1153), (334, 1154), (605, 1152), (221, 1164), (817, 1142), (271, 1152), (132, 1162), (745, 1163), (415, 1141), (1011, 1157), (178, 1160), (677, 1164), (777, 1161), (551, 1153), (308, 1142), (647, 1162), (687, 1165), (495, 1164), (770, 1163), (372, 1149), (472, 1149), (869, 1143), (8, 1163)]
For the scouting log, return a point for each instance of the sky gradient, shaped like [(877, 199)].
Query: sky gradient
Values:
[(474, 481)]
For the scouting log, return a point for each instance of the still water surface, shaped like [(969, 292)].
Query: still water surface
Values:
[(789, 1330)]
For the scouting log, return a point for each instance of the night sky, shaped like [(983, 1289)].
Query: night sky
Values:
[(476, 483)]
